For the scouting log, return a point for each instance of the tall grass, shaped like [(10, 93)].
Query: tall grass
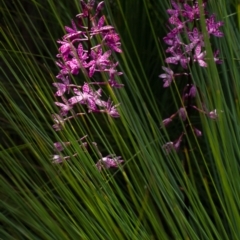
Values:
[(144, 197)]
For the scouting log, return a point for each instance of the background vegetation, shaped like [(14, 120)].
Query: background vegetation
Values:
[(144, 198)]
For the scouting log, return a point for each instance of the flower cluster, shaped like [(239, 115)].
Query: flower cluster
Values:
[(79, 54), (185, 48)]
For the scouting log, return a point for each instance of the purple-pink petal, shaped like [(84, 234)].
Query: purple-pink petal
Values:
[(75, 99), (182, 114), (62, 88)]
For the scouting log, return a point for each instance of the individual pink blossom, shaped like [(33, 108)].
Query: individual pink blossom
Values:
[(99, 61), (176, 9), (58, 158), (215, 58), (64, 108), (182, 113), (58, 146), (62, 87), (166, 121), (173, 146), (195, 38), (167, 77), (213, 114), (178, 57), (213, 27), (111, 109), (112, 40), (109, 162), (192, 91), (59, 122), (199, 56), (192, 12), (197, 132)]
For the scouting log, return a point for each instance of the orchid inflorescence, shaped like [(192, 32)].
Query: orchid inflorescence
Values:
[(186, 47), (78, 54)]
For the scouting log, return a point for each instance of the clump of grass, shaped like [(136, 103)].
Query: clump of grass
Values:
[(143, 198)]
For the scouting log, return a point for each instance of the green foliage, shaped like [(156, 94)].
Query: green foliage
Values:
[(144, 199)]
